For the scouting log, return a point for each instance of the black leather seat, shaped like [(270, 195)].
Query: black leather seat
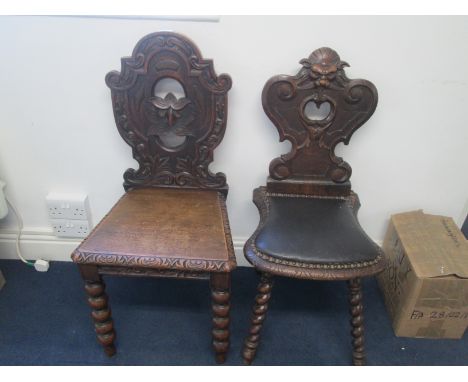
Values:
[(314, 230), (308, 225)]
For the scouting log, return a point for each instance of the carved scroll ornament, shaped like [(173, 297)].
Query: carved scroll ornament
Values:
[(144, 120), (321, 81)]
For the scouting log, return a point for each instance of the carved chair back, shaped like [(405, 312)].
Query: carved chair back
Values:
[(172, 138), (315, 110)]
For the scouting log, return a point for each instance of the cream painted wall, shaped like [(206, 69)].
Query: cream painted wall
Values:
[(57, 131)]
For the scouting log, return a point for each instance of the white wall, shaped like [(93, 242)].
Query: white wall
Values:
[(57, 131)]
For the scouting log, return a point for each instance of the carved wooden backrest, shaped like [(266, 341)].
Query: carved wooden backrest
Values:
[(287, 100), (172, 138)]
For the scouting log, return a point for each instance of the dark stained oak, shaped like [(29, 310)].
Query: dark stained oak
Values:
[(221, 297), (258, 317), (311, 167), (101, 312), (357, 321), (172, 139), (162, 228), (308, 225), (172, 220)]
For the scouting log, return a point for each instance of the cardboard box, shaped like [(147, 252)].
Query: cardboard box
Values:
[(425, 283)]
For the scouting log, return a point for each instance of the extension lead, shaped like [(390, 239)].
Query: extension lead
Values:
[(40, 265)]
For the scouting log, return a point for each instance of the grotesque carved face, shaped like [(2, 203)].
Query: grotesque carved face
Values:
[(323, 65)]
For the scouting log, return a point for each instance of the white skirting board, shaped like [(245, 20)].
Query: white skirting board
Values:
[(42, 244)]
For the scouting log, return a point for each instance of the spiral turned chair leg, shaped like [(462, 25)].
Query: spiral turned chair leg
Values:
[(357, 321), (101, 314), (220, 296), (258, 317)]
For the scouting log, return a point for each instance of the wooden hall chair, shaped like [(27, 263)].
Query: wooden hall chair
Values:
[(308, 214), (172, 220)]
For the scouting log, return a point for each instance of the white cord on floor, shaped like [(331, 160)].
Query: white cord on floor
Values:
[(19, 221)]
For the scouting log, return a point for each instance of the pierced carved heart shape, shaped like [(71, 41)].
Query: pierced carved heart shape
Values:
[(317, 110)]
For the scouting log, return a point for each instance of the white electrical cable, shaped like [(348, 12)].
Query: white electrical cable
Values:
[(19, 220)]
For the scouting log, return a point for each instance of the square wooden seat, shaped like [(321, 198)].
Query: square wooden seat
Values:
[(170, 107), (163, 229)]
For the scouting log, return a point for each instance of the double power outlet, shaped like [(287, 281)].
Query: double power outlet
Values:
[(69, 214)]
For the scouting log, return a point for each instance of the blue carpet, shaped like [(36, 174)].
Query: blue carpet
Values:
[(44, 320)]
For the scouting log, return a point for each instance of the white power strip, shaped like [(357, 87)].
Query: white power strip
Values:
[(41, 265)]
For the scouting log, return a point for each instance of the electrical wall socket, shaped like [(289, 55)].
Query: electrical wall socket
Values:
[(70, 228), (68, 206)]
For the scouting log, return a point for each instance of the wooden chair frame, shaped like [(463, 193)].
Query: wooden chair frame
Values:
[(312, 170), (144, 120)]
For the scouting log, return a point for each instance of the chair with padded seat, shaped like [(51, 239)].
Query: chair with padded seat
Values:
[(308, 213), (172, 220)]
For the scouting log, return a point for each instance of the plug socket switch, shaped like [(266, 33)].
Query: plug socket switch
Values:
[(67, 206), (70, 228)]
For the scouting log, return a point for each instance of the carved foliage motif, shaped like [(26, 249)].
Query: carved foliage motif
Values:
[(169, 113), (152, 262), (321, 80), (197, 120)]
